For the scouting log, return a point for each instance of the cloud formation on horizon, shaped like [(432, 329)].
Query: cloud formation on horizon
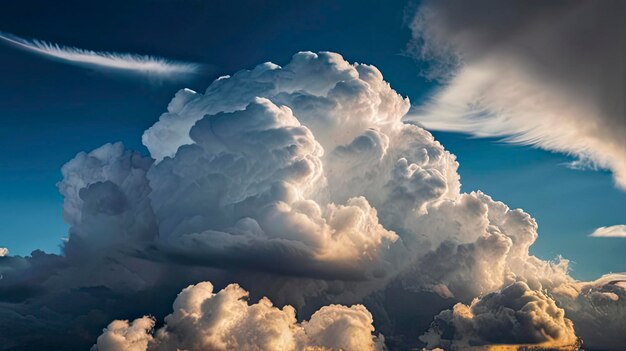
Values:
[(301, 183), (614, 231), (544, 74), (124, 62), (221, 321)]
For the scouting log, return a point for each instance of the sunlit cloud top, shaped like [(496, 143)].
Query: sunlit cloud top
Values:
[(149, 65)]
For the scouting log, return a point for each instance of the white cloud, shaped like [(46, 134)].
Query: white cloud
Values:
[(549, 75), (614, 231), (204, 320), (309, 164), (149, 65), (300, 181), (4, 251)]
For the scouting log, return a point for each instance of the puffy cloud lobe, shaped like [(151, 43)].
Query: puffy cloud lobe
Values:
[(614, 231), (546, 74), (204, 320), (4, 251), (259, 169), (227, 94), (478, 246), (123, 336), (123, 171), (514, 315), (295, 171)]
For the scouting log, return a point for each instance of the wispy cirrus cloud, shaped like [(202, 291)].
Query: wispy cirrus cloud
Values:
[(535, 73), (614, 231), (127, 62)]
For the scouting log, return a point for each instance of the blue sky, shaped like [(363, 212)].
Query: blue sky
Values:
[(50, 111)]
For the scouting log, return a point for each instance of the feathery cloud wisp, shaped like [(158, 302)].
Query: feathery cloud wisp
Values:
[(614, 231), (547, 74), (149, 65)]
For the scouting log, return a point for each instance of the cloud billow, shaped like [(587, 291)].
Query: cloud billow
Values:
[(300, 183), (514, 315)]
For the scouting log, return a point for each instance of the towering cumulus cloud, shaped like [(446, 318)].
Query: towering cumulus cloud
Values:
[(550, 74), (302, 185)]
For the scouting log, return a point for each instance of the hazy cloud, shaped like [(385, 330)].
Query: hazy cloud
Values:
[(549, 74)]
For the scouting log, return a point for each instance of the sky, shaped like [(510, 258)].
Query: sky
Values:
[(51, 111), (77, 75)]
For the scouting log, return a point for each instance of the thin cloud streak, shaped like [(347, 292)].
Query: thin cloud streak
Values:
[(144, 64), (614, 231)]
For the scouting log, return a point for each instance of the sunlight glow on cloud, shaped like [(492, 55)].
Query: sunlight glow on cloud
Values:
[(225, 320), (149, 65), (614, 231), (3, 251)]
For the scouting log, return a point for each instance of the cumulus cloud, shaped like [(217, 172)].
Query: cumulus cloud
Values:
[(309, 164), (204, 320), (514, 315), (544, 74), (300, 181), (149, 65), (3, 251), (614, 231)]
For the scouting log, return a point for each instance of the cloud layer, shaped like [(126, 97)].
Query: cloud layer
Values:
[(148, 65), (544, 74), (301, 183)]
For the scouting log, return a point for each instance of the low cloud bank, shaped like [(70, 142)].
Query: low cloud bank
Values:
[(204, 320)]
